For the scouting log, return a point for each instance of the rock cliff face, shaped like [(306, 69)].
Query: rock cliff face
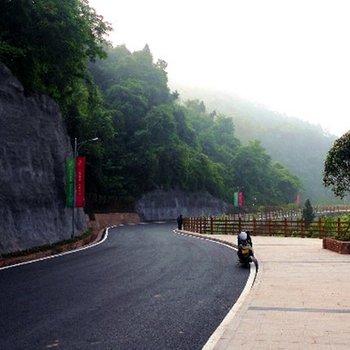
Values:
[(160, 205), (34, 146)]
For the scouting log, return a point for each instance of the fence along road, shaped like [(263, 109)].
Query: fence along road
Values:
[(283, 223)]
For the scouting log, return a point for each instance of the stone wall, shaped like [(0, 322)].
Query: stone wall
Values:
[(167, 205), (34, 146)]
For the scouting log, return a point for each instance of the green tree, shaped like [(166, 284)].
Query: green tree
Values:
[(308, 213), (251, 172), (47, 43), (336, 173), (285, 183), (255, 173)]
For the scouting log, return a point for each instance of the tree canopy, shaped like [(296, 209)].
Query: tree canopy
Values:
[(149, 139), (46, 43), (337, 166)]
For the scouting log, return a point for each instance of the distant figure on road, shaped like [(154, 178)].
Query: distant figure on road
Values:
[(179, 222)]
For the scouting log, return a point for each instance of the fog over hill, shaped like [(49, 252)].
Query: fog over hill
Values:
[(300, 146)]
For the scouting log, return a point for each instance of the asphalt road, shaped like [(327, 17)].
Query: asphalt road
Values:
[(145, 287)]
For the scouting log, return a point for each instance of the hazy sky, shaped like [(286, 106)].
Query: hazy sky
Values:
[(291, 55)]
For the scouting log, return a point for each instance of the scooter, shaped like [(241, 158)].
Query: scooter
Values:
[(245, 253)]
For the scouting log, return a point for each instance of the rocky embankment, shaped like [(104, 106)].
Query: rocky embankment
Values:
[(34, 146)]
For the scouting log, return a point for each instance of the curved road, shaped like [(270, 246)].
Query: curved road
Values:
[(143, 288)]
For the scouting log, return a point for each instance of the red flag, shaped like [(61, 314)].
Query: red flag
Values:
[(240, 199), (298, 199), (80, 182)]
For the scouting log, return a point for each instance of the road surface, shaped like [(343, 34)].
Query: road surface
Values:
[(145, 287)]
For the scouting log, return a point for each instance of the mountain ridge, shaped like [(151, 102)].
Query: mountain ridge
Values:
[(297, 144)]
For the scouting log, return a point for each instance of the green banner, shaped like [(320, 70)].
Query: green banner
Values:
[(235, 199), (70, 182)]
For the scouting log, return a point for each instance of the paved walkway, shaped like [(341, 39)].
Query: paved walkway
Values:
[(300, 299)]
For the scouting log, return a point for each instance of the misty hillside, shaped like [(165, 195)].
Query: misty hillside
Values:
[(296, 144)]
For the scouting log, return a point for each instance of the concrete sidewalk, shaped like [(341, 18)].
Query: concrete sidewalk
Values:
[(300, 298)]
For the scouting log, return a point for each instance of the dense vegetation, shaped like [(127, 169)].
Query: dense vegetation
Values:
[(159, 142), (149, 139), (298, 145)]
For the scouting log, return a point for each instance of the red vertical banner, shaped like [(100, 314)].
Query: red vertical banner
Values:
[(240, 199), (297, 200), (80, 182)]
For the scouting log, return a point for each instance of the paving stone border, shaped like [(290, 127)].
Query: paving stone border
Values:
[(341, 247), (12, 260)]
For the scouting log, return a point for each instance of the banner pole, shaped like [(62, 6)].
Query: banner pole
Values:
[(75, 156)]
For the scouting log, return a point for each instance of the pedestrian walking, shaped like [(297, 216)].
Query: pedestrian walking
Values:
[(179, 222)]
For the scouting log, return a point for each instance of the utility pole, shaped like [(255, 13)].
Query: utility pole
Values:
[(75, 155)]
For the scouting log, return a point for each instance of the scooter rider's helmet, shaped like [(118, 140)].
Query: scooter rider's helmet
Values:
[(243, 236)]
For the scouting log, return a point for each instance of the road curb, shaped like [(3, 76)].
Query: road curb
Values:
[(232, 314), (69, 248)]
